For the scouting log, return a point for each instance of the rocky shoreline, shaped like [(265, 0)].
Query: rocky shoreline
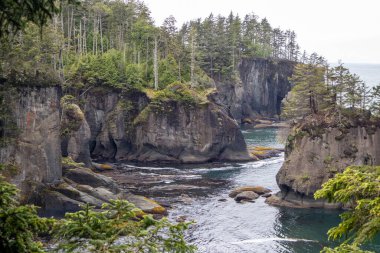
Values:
[(175, 126)]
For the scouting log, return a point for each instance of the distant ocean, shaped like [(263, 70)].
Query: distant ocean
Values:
[(369, 73)]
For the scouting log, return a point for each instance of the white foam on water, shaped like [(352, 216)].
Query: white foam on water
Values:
[(149, 168), (262, 240)]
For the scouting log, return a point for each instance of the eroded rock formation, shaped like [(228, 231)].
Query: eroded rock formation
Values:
[(314, 157), (260, 89)]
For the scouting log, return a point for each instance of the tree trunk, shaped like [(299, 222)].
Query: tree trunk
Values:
[(101, 32), (192, 66), (155, 65)]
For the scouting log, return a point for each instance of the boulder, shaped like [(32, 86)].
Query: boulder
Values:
[(256, 189), (86, 176), (261, 153), (246, 196), (102, 166), (145, 204), (266, 195), (56, 204)]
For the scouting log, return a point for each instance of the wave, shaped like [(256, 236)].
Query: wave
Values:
[(149, 168), (262, 240)]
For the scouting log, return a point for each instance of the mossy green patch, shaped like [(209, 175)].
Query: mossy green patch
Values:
[(72, 116), (69, 163)]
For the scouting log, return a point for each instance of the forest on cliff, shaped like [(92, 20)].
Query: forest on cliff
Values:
[(115, 43)]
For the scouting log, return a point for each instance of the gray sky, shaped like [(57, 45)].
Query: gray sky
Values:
[(337, 29)]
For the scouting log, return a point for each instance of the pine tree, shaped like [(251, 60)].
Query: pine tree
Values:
[(309, 92)]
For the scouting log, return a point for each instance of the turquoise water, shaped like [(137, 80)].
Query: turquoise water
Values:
[(224, 226), (255, 227)]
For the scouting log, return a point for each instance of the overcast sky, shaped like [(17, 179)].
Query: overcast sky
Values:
[(337, 29)]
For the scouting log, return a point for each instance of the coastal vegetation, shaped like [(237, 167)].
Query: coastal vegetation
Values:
[(118, 227), (326, 97), (117, 44), (82, 46), (322, 90), (357, 187)]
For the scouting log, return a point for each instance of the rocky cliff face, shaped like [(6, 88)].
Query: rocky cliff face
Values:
[(126, 126), (36, 152), (196, 134), (312, 160), (262, 86)]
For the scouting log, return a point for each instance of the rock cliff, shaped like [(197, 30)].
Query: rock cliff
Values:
[(128, 126), (313, 157), (259, 90), (35, 152)]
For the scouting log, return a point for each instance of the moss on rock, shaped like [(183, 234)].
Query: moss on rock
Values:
[(72, 115)]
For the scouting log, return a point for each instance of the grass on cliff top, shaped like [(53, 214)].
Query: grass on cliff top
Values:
[(180, 92)]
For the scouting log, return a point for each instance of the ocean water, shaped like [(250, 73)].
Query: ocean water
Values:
[(369, 73), (224, 226)]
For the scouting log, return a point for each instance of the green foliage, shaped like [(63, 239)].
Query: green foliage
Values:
[(19, 224), (358, 187), (375, 106), (16, 15), (69, 163), (319, 89), (308, 95), (181, 93), (72, 115), (117, 228), (136, 75), (105, 69), (110, 43), (28, 59), (345, 248), (167, 71)]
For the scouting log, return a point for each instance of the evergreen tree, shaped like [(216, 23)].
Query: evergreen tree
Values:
[(308, 95), (358, 187)]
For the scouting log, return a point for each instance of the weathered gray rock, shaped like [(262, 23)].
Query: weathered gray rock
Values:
[(246, 196), (257, 189), (87, 177), (36, 152), (188, 135), (264, 83), (78, 145), (124, 126), (54, 203), (311, 161)]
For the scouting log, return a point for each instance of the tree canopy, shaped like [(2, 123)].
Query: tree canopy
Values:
[(15, 15), (113, 43), (358, 187), (319, 89)]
